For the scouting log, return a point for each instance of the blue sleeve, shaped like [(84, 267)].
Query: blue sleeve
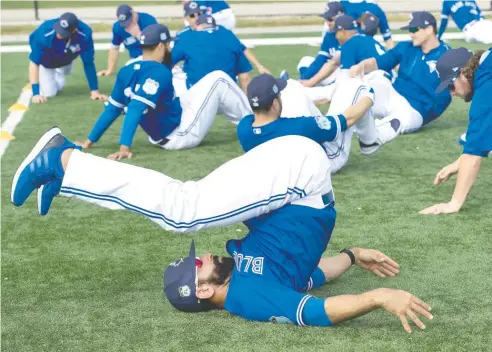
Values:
[(314, 313), (106, 119), (87, 58), (349, 54), (391, 58), (442, 27), (136, 109), (328, 46), (479, 132), (315, 66), (117, 39), (383, 24), (178, 52), (243, 64), (317, 279), (324, 128), (36, 48)]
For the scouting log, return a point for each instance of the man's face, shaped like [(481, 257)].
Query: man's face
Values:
[(192, 19), (420, 35), (331, 23), (461, 88), (212, 269), (341, 36)]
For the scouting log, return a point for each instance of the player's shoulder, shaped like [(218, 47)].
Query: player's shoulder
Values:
[(186, 31), (147, 18), (84, 30), (46, 29)]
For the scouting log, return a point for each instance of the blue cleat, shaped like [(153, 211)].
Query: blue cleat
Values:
[(42, 165), (46, 194), (284, 74), (462, 139)]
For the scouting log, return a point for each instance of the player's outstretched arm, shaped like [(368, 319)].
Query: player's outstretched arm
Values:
[(327, 69), (400, 303), (112, 59), (253, 59), (363, 67)]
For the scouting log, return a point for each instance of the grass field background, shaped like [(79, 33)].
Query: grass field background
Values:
[(89, 279)]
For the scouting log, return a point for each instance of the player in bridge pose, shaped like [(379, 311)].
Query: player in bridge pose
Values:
[(55, 44), (468, 76), (127, 30), (468, 18), (411, 102), (145, 88)]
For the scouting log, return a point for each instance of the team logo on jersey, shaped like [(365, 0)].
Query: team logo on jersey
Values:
[(257, 130), (323, 122), (130, 40), (64, 23), (432, 65), (177, 263), (136, 67), (74, 48), (281, 320), (254, 101), (184, 291), (150, 86), (128, 92)]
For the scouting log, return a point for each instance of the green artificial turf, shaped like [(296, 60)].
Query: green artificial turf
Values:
[(85, 278)]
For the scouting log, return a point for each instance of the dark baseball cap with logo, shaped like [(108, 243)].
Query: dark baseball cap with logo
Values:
[(450, 64), (263, 89), (332, 10), (345, 22), (124, 14), (206, 19), (66, 24), (180, 283), (420, 19), (155, 34), (191, 8), (369, 25)]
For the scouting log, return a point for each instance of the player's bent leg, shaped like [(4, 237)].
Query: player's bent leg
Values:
[(216, 92), (225, 18), (296, 102), (60, 74), (47, 82), (482, 31), (305, 62), (289, 169)]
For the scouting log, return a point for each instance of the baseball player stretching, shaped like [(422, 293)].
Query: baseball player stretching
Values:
[(281, 255), (272, 98), (468, 18), (219, 9), (127, 30), (469, 77), (145, 87), (411, 102), (55, 44)]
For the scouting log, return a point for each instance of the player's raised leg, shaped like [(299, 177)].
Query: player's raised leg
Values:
[(214, 93), (284, 170)]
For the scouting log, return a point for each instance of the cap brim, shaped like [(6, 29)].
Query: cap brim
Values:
[(444, 84), (404, 28), (60, 30), (281, 83)]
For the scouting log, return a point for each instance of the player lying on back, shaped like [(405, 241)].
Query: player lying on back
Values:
[(411, 101), (468, 76), (55, 44), (145, 88), (280, 109), (126, 30), (286, 179), (468, 18)]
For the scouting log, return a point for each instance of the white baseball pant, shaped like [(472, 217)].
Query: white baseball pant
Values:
[(296, 103), (216, 93), (285, 170), (480, 31), (52, 80), (225, 18), (326, 88), (179, 81)]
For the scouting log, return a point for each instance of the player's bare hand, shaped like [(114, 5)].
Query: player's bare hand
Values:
[(442, 208), (446, 172), (375, 261), (95, 95), (39, 99), (103, 73), (405, 306), (263, 69), (84, 144), (125, 152)]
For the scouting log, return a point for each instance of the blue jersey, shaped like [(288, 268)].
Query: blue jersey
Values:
[(51, 52), (358, 48), (211, 7), (277, 262), (210, 50), (462, 12), (326, 52), (131, 43), (318, 128), (146, 88), (479, 132), (417, 78), (356, 9)]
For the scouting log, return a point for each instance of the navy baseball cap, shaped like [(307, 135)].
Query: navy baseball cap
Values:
[(191, 8), (66, 24), (180, 283), (420, 19), (155, 34), (124, 14), (263, 89), (370, 24), (332, 9), (345, 22), (206, 19), (450, 64)]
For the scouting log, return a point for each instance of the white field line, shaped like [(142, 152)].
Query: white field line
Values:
[(247, 42)]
